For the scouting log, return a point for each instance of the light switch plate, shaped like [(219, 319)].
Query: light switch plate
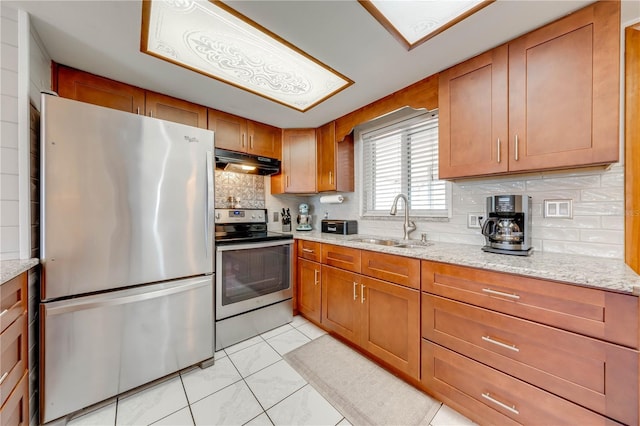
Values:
[(562, 209), (474, 219)]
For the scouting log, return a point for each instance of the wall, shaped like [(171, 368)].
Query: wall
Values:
[(597, 227), (9, 171)]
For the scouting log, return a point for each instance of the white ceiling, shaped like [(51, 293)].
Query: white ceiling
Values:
[(103, 37)]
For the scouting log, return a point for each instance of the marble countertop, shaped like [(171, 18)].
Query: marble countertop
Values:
[(12, 268), (596, 272)]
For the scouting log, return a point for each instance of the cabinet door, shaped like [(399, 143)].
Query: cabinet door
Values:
[(326, 151), (264, 140), (299, 160), (391, 324), (564, 91), (341, 302), (473, 116), (230, 130), (309, 289), (85, 87), (176, 110)]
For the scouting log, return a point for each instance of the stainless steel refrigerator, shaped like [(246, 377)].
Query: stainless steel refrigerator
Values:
[(127, 252)]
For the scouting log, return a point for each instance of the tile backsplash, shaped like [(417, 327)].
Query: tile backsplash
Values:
[(247, 190), (596, 229)]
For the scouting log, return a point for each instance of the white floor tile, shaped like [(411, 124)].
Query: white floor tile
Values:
[(271, 333), (311, 330), (305, 407), (299, 320), (233, 405), (219, 354), (261, 420), (446, 416), (288, 341), (274, 383), (244, 344), (179, 418), (344, 422), (102, 416), (199, 383), (152, 404), (254, 358)]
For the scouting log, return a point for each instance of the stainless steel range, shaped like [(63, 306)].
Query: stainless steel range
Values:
[(254, 276)]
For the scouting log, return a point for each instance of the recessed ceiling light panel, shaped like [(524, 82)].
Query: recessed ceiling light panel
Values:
[(416, 21), (211, 38)]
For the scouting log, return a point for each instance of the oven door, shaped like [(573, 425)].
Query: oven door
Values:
[(252, 275)]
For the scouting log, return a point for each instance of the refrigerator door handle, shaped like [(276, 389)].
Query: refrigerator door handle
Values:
[(113, 299), (208, 239)]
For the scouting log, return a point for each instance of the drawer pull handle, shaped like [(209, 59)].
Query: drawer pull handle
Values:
[(315, 276), (500, 293), (502, 345), (362, 293), (511, 408), (355, 294), (499, 148), (306, 250), (4, 376), (3, 312)]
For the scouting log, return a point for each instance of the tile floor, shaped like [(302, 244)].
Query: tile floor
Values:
[(249, 384)]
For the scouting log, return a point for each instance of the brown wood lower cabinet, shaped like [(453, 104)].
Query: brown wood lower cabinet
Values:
[(381, 317), (14, 365), (595, 374), (492, 397), (309, 289)]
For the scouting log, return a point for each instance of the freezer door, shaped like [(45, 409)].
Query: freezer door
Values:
[(96, 347), (126, 199)]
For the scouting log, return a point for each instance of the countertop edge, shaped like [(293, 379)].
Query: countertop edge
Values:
[(586, 271), (12, 268)]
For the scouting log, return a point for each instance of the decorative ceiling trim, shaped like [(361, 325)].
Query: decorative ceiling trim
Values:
[(392, 27), (215, 40)]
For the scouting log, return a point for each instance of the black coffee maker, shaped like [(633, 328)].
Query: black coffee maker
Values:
[(507, 228)]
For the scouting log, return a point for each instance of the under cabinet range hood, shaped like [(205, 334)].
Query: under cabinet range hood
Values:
[(239, 162)]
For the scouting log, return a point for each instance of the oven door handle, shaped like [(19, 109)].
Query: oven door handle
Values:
[(251, 246)]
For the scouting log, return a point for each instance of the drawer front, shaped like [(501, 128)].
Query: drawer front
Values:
[(495, 397), (13, 356), (396, 269), (309, 250), (15, 411), (598, 375), (13, 300), (597, 313), (341, 257)]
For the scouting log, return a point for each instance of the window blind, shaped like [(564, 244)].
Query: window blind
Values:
[(403, 158)]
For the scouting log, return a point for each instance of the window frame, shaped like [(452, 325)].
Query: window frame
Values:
[(407, 119)]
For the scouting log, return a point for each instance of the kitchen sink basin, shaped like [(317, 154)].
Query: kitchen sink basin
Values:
[(391, 243), (377, 241)]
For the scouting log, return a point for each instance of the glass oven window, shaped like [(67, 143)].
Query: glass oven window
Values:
[(254, 272)]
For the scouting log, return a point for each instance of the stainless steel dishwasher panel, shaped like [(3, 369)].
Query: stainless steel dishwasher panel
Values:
[(99, 346)]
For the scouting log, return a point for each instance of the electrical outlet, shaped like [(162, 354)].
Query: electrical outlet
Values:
[(276, 217), (474, 219), (558, 209)]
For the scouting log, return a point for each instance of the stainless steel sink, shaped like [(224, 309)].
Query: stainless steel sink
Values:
[(413, 245), (377, 241), (392, 243)]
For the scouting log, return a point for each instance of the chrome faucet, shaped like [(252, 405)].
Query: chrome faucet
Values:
[(408, 226)]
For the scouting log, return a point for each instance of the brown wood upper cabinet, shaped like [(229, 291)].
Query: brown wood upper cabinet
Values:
[(176, 110), (334, 160), (239, 134), (86, 87), (546, 100), (298, 175)]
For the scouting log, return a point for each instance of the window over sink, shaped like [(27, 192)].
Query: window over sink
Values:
[(401, 156)]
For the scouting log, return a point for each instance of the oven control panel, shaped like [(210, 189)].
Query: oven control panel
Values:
[(241, 216)]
